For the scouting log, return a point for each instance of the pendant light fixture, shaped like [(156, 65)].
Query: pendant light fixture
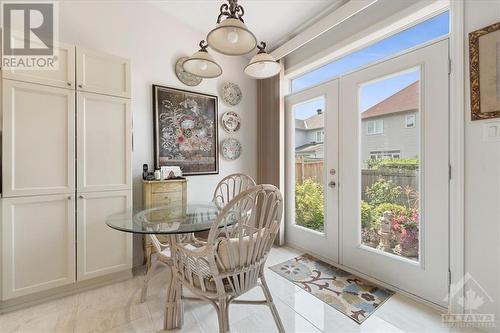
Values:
[(262, 65), (202, 64), (231, 36)]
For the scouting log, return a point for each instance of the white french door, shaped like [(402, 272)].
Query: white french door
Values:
[(386, 147), (312, 163), (410, 193)]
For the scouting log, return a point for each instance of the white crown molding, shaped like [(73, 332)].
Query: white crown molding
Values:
[(321, 26)]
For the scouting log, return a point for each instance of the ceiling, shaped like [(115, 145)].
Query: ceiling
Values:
[(273, 21)]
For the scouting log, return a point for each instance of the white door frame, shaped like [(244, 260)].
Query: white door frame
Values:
[(457, 149), (457, 138)]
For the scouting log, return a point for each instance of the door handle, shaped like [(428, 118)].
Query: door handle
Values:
[(332, 184)]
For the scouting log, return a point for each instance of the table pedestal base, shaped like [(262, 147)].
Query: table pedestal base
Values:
[(174, 311)]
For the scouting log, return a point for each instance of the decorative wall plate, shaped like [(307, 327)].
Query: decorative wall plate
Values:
[(231, 93), (231, 148), (231, 121), (185, 77)]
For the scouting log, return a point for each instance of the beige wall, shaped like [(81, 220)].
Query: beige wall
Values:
[(482, 180), (154, 41)]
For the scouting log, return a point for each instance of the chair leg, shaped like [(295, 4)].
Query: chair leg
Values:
[(223, 315), (271, 305), (149, 273)]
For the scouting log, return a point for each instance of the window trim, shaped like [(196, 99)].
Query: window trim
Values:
[(375, 122), (394, 24), (414, 123), (381, 154)]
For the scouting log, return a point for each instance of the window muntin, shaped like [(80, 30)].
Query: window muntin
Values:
[(375, 127), (320, 136)]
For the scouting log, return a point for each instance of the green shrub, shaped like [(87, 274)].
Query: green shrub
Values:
[(393, 164), (383, 191), (309, 205), (366, 215), (396, 210)]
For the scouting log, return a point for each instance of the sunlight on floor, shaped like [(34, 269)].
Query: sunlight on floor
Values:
[(116, 308)]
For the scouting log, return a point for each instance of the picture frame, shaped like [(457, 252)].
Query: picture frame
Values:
[(484, 54), (185, 125)]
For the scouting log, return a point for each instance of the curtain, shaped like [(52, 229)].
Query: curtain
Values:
[(270, 136)]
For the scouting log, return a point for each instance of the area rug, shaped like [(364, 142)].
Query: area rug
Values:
[(349, 294)]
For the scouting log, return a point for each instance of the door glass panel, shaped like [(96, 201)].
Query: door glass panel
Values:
[(309, 162), (390, 164)]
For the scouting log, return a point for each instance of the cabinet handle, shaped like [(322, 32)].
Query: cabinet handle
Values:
[(80, 86), (69, 197), (69, 84), (81, 197)]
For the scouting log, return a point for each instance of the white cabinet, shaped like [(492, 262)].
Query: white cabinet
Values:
[(101, 73), (102, 250), (104, 143), (38, 139), (58, 139), (38, 244), (61, 75)]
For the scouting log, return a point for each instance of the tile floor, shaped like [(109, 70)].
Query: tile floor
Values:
[(116, 308)]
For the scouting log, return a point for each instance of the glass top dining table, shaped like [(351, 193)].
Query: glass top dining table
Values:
[(172, 219)]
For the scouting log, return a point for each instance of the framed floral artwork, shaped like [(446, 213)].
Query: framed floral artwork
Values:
[(484, 57), (185, 130)]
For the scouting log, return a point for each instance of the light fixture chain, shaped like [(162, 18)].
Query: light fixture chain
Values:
[(233, 10)]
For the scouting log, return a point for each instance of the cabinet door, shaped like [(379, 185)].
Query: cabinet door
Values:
[(102, 250), (38, 139), (104, 143), (61, 75), (38, 244), (102, 73)]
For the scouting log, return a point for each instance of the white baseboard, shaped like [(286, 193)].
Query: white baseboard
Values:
[(68, 290)]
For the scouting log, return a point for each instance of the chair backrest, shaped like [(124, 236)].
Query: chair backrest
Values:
[(230, 186), (246, 228)]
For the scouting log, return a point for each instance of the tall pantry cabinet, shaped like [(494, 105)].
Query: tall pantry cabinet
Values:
[(66, 166)]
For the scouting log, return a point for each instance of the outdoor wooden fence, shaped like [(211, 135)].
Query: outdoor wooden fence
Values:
[(313, 169)]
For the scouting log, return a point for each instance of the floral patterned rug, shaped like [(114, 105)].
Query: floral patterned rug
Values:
[(349, 294)]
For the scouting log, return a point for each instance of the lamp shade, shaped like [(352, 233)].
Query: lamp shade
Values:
[(262, 66), (231, 37), (202, 64)]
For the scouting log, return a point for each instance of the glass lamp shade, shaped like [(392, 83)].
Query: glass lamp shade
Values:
[(203, 65), (231, 37), (262, 66)]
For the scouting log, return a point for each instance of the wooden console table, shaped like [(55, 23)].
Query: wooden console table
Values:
[(163, 193)]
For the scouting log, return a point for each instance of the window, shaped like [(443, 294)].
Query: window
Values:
[(379, 155), (320, 136), (421, 33), (410, 121), (375, 127)]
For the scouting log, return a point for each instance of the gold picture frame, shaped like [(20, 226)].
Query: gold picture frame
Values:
[(484, 58)]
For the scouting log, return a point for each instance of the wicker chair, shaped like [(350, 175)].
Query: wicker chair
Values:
[(232, 261), (230, 186), (162, 257)]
